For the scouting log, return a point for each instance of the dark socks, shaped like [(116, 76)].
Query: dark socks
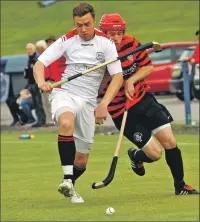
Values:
[(139, 155), (175, 163), (77, 172), (66, 147)]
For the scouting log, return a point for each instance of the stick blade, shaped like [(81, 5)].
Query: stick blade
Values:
[(157, 47), (98, 185), (109, 177)]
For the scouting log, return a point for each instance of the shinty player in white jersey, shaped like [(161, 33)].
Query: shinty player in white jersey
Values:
[(73, 105)]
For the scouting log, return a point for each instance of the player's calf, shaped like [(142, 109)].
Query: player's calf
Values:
[(81, 158), (152, 150), (77, 172), (153, 153)]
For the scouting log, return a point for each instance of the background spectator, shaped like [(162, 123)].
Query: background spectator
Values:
[(50, 71), (196, 55), (34, 90), (51, 39), (53, 73), (41, 46), (19, 118), (26, 104), (195, 58)]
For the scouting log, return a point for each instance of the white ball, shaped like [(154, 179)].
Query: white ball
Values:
[(110, 211)]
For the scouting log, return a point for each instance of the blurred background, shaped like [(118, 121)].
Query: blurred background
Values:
[(174, 24)]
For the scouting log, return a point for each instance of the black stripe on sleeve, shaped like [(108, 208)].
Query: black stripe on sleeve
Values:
[(142, 59), (147, 63), (126, 46)]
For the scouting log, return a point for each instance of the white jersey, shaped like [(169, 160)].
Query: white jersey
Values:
[(81, 55)]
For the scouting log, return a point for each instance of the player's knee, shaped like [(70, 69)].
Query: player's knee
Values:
[(166, 138), (154, 152), (81, 160), (157, 154), (66, 124), (80, 163), (169, 142)]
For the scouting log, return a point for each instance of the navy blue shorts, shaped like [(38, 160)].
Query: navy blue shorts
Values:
[(142, 119)]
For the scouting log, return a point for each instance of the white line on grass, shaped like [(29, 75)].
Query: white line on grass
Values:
[(41, 141)]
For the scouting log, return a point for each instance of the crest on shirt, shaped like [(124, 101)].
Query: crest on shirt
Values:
[(138, 137), (130, 70), (99, 56)]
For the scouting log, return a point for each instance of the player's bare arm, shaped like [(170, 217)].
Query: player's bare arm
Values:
[(51, 54), (101, 110), (38, 70), (113, 88), (141, 74)]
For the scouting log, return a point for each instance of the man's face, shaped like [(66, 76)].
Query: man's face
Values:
[(85, 26), (116, 36), (30, 50), (198, 36), (40, 50), (49, 42)]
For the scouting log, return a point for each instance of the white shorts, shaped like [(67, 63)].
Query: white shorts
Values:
[(61, 101)]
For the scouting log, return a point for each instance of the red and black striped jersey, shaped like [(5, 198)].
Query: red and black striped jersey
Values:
[(130, 66)]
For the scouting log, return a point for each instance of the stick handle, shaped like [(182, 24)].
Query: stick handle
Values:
[(121, 133), (142, 47), (59, 83), (155, 45), (99, 66), (84, 72)]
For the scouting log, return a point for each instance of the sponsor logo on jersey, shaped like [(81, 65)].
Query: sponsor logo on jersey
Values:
[(99, 56), (87, 44), (80, 67), (131, 70)]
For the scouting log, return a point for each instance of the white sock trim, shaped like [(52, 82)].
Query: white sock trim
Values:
[(68, 169)]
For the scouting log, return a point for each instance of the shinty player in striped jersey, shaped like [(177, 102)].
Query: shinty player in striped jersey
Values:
[(147, 121)]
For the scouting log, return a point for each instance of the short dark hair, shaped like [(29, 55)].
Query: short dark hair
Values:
[(83, 9), (51, 38), (197, 32)]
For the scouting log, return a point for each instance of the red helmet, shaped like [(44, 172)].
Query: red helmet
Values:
[(112, 22)]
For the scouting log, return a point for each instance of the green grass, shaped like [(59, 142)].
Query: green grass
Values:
[(31, 173), (162, 21)]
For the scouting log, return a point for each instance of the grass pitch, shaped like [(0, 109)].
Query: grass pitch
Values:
[(31, 173), (161, 21)]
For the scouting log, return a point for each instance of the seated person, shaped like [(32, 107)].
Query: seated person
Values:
[(26, 104), (19, 117)]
